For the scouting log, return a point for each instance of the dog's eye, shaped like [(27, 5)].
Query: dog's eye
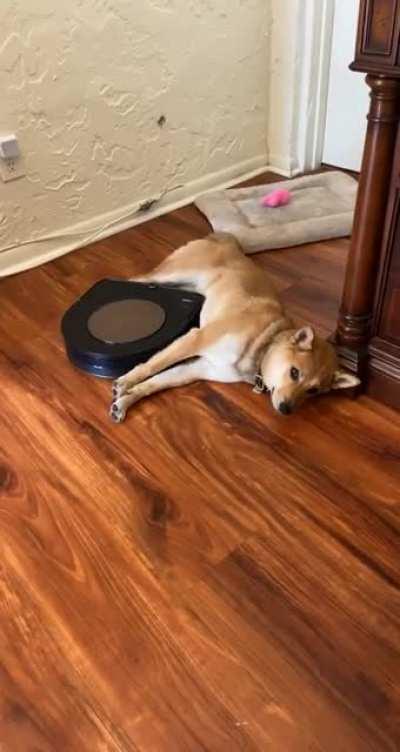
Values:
[(294, 373), (313, 390)]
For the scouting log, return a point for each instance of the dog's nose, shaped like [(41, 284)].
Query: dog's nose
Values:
[(285, 408)]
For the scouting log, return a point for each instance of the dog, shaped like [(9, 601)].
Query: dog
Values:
[(244, 334)]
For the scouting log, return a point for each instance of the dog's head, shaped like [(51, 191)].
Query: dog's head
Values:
[(299, 365)]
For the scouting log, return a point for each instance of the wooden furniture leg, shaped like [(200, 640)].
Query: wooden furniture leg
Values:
[(358, 295)]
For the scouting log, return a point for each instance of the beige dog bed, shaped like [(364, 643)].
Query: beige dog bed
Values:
[(322, 207)]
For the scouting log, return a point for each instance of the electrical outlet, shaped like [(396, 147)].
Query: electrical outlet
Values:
[(11, 169)]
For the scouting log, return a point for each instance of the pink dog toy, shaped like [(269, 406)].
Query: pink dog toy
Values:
[(280, 197)]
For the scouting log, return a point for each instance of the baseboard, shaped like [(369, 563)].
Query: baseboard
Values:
[(42, 250), (284, 165)]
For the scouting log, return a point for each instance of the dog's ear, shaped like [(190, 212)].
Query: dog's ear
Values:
[(344, 380), (304, 338)]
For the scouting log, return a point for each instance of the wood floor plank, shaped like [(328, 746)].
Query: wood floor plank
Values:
[(208, 576), (304, 641), (74, 565)]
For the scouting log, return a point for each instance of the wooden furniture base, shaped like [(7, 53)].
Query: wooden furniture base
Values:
[(368, 328)]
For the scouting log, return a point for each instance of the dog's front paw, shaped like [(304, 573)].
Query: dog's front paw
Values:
[(128, 381), (119, 388), (117, 411)]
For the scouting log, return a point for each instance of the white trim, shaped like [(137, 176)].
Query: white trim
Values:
[(299, 65), (41, 250), (283, 164), (314, 47)]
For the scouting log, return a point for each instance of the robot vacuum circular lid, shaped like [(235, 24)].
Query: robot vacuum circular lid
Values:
[(126, 320)]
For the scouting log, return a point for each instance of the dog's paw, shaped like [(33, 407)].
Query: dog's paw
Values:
[(118, 389), (117, 411)]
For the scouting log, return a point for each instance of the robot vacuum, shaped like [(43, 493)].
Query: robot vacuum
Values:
[(117, 324)]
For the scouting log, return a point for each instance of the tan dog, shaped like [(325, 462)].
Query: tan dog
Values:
[(244, 334)]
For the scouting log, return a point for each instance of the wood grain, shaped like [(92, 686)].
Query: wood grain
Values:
[(208, 575), (378, 37)]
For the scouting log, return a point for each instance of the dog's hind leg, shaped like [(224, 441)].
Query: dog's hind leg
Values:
[(169, 277), (189, 266), (170, 270), (185, 373), (183, 348)]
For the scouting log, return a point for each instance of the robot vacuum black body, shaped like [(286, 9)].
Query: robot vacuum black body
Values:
[(118, 324)]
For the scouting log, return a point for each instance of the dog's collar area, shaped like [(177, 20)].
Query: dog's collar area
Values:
[(277, 327), (259, 386)]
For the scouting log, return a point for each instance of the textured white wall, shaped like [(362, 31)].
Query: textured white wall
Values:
[(83, 86)]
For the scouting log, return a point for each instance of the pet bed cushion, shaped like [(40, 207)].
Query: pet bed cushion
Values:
[(321, 207)]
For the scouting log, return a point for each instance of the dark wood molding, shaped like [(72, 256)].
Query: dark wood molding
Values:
[(355, 361), (375, 69), (353, 328), (382, 359), (383, 371), (377, 36)]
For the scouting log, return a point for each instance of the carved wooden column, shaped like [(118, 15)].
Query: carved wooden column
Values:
[(368, 329), (358, 295)]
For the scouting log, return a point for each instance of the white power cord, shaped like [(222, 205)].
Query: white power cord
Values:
[(142, 207)]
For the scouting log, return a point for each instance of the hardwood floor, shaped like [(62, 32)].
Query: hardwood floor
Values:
[(207, 575)]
